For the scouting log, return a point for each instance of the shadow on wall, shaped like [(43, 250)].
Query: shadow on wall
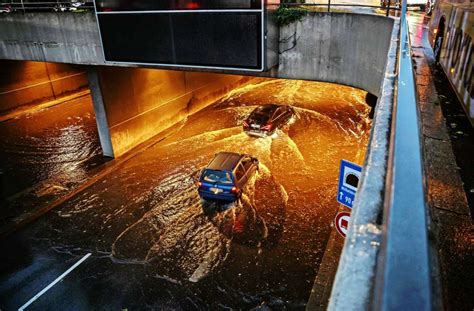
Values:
[(140, 103), (26, 83)]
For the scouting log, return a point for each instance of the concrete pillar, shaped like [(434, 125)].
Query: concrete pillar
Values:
[(100, 114)]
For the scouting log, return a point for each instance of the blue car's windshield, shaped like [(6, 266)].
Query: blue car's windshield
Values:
[(213, 176)]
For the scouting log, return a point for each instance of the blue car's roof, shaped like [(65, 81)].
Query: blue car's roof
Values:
[(225, 161)]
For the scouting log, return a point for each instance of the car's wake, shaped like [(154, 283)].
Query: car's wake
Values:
[(177, 239)]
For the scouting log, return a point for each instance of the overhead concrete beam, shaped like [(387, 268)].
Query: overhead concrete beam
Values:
[(342, 48), (65, 37)]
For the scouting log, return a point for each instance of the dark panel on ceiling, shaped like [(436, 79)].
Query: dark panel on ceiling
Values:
[(216, 39)]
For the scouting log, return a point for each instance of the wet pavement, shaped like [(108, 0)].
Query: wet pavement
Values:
[(449, 165), (155, 245), (46, 153)]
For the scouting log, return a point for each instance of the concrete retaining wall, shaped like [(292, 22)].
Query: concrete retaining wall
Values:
[(342, 48), (143, 102), (24, 83), (65, 37)]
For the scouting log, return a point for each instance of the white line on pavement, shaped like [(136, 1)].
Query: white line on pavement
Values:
[(59, 278)]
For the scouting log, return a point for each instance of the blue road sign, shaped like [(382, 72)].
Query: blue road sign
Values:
[(349, 176)]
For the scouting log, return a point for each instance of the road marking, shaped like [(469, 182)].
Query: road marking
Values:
[(59, 278)]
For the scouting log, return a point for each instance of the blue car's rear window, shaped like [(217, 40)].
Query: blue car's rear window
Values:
[(222, 177)]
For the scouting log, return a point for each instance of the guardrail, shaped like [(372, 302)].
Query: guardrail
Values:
[(386, 263)]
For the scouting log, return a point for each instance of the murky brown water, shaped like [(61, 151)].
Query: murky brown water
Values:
[(45, 152), (159, 246)]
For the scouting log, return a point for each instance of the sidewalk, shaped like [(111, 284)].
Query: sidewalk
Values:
[(452, 225)]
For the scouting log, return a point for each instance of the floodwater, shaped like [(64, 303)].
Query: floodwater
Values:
[(46, 152), (154, 244)]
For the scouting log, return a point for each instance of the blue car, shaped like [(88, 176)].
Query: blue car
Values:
[(226, 176)]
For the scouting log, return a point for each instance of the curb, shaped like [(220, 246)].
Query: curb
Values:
[(44, 105), (322, 286)]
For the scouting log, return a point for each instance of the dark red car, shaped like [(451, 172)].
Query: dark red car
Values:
[(264, 120)]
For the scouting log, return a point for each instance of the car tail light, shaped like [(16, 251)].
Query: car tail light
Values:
[(245, 123), (234, 190), (267, 127)]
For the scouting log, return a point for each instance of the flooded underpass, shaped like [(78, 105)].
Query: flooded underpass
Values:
[(45, 151), (156, 245)]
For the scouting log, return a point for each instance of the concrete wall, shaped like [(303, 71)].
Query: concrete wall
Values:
[(140, 103), (343, 48), (25, 82), (65, 37)]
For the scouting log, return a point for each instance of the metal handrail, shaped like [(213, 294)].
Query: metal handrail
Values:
[(23, 6), (404, 275), (387, 8), (386, 261), (42, 2)]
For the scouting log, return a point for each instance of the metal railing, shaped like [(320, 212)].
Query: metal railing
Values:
[(46, 6), (337, 7), (404, 267), (386, 263)]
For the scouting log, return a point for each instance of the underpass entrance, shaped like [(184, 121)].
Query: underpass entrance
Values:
[(263, 249)]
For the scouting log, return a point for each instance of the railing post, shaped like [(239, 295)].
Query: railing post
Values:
[(329, 5)]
